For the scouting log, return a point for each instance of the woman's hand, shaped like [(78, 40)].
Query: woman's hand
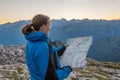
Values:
[(66, 45)]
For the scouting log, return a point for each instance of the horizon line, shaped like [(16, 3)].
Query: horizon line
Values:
[(59, 19)]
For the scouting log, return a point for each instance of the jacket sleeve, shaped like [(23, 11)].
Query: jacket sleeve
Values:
[(60, 48), (63, 72), (42, 57)]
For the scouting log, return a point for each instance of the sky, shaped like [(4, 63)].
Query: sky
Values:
[(15, 10)]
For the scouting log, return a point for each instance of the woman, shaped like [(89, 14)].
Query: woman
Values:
[(42, 60)]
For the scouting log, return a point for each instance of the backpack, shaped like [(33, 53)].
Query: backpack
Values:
[(52, 64)]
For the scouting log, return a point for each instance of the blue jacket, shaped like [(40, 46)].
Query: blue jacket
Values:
[(37, 56)]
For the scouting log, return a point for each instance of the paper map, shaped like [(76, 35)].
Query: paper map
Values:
[(75, 54)]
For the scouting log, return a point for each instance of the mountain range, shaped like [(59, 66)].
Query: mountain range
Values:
[(105, 33)]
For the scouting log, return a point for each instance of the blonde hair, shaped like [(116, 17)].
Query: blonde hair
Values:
[(37, 22)]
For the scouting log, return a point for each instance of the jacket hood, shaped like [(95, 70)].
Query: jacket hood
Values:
[(36, 36)]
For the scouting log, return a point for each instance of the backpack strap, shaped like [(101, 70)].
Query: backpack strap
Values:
[(51, 71), (54, 54)]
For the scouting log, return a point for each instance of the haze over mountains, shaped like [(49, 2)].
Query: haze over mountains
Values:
[(106, 35)]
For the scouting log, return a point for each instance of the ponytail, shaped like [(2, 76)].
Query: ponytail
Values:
[(27, 28)]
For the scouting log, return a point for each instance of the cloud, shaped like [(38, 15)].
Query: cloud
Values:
[(118, 1)]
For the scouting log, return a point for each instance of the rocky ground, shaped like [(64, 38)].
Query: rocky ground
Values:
[(97, 71), (13, 67)]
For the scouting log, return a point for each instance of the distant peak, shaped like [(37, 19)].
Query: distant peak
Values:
[(63, 19)]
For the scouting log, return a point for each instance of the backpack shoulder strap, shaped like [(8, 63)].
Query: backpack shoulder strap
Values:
[(51, 71)]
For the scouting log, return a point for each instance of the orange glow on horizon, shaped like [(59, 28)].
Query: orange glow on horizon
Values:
[(4, 21)]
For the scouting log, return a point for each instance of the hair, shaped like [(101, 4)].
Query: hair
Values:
[(37, 22)]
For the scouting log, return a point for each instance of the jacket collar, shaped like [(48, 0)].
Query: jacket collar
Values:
[(36, 36)]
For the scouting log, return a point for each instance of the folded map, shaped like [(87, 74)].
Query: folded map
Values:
[(76, 53)]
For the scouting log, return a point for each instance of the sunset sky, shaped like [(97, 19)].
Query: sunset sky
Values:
[(15, 10)]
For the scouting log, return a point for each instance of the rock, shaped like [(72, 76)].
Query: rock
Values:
[(12, 55), (13, 67)]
